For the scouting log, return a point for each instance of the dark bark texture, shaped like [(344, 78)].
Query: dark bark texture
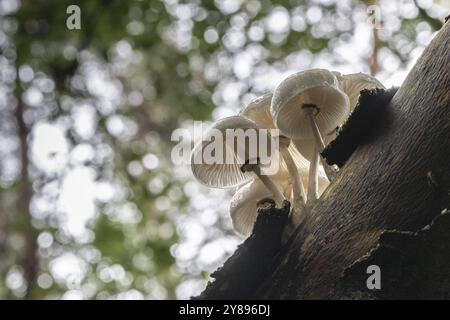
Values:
[(250, 264), (387, 206)]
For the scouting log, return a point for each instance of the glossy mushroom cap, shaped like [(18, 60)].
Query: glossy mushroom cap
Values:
[(352, 84), (317, 87), (244, 204), (223, 174), (258, 110)]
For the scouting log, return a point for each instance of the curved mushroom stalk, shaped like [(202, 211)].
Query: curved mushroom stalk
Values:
[(299, 196), (313, 180), (310, 111), (256, 169)]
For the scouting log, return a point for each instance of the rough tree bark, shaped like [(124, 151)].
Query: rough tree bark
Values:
[(388, 206)]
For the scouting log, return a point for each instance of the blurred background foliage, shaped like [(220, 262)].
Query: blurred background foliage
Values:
[(91, 205)]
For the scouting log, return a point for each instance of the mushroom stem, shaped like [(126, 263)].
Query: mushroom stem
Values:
[(278, 196), (297, 185), (330, 171), (313, 179), (309, 110)]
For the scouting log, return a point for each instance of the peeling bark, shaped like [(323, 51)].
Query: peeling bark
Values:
[(415, 265)]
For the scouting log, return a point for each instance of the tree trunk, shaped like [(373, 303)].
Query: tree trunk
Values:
[(29, 260), (393, 185)]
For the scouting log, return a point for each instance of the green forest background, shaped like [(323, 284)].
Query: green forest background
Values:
[(91, 205)]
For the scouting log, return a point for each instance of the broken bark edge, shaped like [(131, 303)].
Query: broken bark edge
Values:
[(241, 274), (368, 114), (414, 265)]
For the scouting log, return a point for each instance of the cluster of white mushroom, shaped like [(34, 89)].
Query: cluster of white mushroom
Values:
[(307, 107)]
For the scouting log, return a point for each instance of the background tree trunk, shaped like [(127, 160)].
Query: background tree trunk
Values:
[(392, 186), (29, 259)]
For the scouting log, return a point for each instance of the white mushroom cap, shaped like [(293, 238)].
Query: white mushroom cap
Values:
[(318, 87), (258, 110), (222, 174), (352, 84), (243, 206)]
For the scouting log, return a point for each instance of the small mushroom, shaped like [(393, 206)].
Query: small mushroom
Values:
[(248, 198), (237, 163), (258, 111), (308, 105), (352, 84)]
